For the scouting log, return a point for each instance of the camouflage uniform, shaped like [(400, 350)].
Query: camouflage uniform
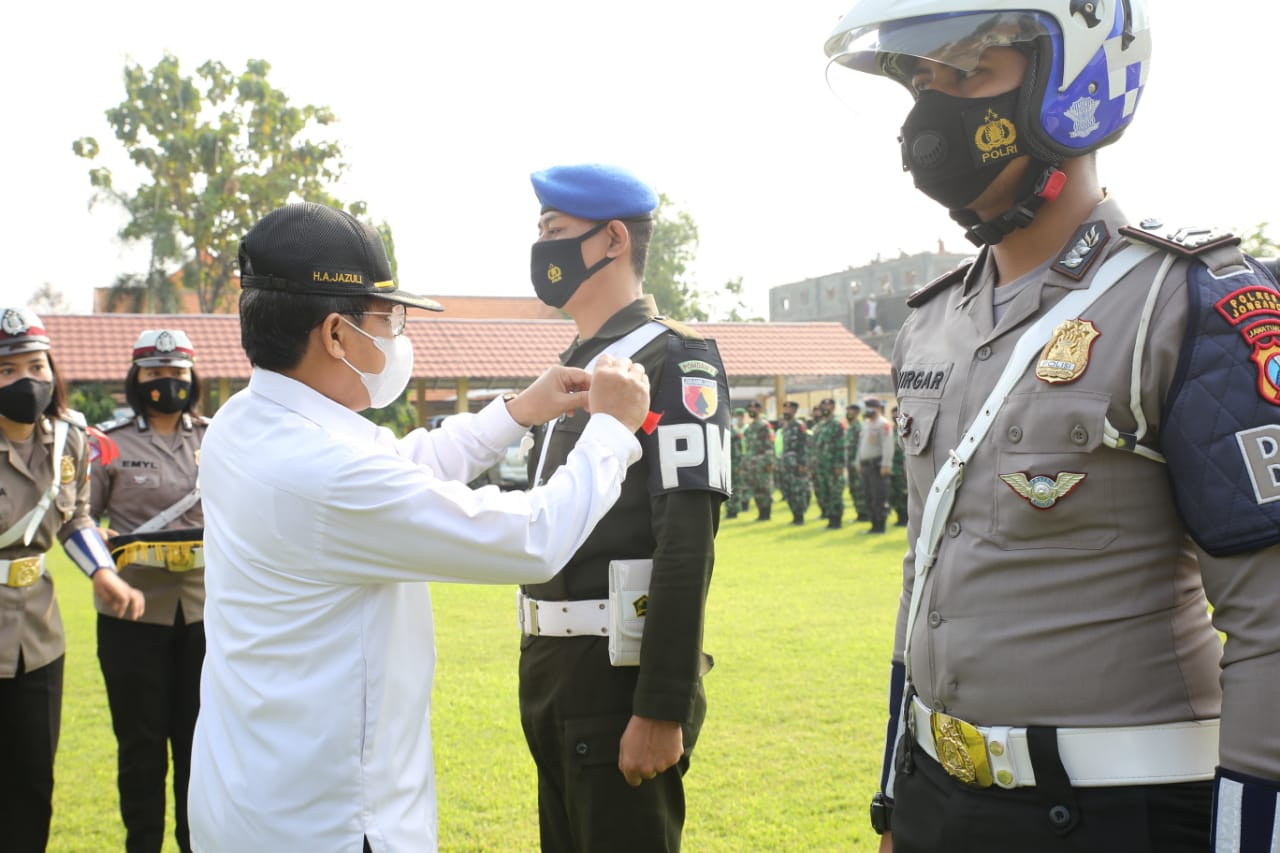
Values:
[(828, 468), (757, 453), (737, 500), (852, 432), (794, 476)]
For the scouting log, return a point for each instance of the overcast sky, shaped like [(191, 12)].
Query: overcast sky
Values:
[(446, 108)]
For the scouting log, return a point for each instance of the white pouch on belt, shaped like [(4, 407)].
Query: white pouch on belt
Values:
[(628, 603)]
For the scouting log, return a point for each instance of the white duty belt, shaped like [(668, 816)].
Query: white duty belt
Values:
[(585, 618), (1092, 757)]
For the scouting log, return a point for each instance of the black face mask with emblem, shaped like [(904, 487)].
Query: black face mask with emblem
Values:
[(24, 400), (167, 395), (955, 147), (557, 269)]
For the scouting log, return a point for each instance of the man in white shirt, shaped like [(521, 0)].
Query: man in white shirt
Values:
[(322, 529)]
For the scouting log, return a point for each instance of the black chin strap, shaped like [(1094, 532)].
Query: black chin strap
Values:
[(1044, 181)]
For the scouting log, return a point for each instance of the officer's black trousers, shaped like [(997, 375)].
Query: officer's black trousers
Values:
[(934, 813), (574, 708), (30, 719), (877, 491), (152, 674)]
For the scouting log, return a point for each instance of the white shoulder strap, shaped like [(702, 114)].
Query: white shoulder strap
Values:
[(628, 345), (25, 528), (169, 513)]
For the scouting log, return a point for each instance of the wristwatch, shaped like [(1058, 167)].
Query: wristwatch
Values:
[(881, 813)]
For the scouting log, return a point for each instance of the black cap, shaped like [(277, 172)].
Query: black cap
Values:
[(791, 404), (317, 250), (873, 403)]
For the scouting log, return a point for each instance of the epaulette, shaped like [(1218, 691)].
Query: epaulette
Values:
[(1184, 242), (115, 423), (684, 331), (75, 418), (939, 284)]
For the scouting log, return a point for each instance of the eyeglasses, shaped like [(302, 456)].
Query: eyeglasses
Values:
[(396, 318)]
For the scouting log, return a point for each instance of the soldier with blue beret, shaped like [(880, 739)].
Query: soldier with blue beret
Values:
[(611, 695)]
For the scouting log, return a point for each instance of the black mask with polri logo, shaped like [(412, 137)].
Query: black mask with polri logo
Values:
[(557, 269), (24, 400), (955, 147), (167, 395)]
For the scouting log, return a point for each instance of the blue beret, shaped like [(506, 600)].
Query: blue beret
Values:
[(594, 191)]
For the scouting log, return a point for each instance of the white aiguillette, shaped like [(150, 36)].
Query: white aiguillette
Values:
[(628, 604)]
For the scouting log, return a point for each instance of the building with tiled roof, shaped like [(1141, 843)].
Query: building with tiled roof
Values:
[(461, 359)]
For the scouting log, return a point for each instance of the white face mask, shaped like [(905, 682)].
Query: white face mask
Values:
[(386, 386)]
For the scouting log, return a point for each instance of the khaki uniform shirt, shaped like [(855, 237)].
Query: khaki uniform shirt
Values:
[(30, 623), (151, 474), (1092, 611)]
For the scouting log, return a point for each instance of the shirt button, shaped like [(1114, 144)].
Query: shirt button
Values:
[(582, 748), (953, 529), (984, 352), (1015, 434), (935, 619), (1079, 435)]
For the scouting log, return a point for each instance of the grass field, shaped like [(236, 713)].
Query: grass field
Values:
[(800, 623)]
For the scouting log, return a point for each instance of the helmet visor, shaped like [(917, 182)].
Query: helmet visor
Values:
[(892, 48)]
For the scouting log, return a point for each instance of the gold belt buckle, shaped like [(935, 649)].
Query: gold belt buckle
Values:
[(24, 571), (179, 559), (962, 750)]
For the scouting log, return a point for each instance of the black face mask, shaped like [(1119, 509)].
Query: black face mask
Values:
[(955, 147), (23, 401), (166, 395), (557, 269)]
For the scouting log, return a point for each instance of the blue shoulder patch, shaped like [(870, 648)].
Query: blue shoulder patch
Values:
[(1221, 424), (687, 443)]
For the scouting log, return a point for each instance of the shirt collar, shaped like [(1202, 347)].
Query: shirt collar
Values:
[(623, 321), (311, 404)]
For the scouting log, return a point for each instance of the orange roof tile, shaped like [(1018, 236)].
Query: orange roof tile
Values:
[(490, 353)]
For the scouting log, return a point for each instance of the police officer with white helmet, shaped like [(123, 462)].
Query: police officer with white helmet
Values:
[(1090, 412)]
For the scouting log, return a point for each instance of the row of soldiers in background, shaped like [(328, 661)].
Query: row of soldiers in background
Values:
[(818, 459)]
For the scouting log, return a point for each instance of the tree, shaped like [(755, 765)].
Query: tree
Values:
[(1259, 244), (219, 150), (47, 299), (737, 310), (672, 248)]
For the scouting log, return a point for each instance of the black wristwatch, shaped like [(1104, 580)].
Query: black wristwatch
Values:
[(881, 813)]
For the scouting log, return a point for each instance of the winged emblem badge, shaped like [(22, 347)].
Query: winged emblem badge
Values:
[(1040, 491)]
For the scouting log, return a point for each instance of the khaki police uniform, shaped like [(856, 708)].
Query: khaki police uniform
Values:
[(1082, 604), (152, 667), (151, 473), (32, 642), (574, 705)]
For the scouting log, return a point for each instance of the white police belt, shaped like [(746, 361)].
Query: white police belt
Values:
[(1093, 757), (589, 617), (21, 572)]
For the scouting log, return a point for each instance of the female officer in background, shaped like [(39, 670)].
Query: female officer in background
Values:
[(44, 493), (152, 667)]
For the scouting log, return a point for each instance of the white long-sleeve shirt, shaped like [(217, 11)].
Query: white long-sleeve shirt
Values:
[(321, 531)]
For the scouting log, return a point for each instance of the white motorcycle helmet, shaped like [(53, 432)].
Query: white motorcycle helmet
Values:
[(1088, 58)]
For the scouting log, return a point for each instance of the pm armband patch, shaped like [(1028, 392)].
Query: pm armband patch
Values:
[(691, 444)]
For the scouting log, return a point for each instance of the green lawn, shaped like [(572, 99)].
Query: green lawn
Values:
[(800, 622)]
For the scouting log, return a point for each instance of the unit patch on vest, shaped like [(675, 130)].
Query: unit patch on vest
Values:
[(923, 380), (1066, 356), (1040, 491), (1255, 313), (689, 442)]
